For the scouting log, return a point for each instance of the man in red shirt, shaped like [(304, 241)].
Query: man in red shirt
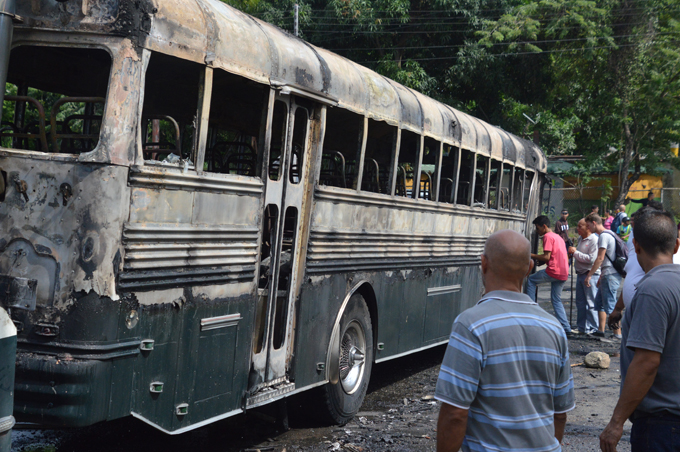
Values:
[(556, 273)]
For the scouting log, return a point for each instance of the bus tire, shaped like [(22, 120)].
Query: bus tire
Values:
[(343, 400)]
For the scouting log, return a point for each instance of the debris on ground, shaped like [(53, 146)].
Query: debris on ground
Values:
[(597, 360)]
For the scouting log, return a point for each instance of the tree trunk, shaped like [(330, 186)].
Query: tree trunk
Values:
[(627, 181)]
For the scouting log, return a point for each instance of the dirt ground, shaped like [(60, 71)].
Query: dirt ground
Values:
[(398, 414)]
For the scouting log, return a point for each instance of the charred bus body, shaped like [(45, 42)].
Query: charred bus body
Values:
[(202, 214)]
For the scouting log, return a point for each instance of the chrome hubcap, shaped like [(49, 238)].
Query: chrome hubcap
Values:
[(352, 357)]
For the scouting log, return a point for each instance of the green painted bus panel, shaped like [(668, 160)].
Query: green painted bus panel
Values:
[(8, 347), (319, 303), (79, 397), (399, 294), (162, 324), (413, 301), (441, 309), (213, 364)]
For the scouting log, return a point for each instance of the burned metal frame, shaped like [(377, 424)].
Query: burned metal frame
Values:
[(135, 259)]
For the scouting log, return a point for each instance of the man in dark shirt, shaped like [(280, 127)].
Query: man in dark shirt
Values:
[(650, 356), (562, 226), (644, 201)]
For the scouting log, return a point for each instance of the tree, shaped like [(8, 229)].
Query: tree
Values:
[(614, 77)]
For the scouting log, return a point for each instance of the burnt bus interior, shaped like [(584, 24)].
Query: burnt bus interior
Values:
[(57, 99), (341, 148), (170, 103), (378, 157)]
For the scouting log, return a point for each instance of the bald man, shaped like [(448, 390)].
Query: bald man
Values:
[(505, 382)]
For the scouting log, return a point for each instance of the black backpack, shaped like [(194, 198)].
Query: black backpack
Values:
[(621, 254), (617, 222)]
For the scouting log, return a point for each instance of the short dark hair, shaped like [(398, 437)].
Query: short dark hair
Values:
[(655, 205), (650, 193), (655, 232), (651, 207), (542, 220), (593, 207), (594, 218)]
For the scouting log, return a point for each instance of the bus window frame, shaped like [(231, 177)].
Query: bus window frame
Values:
[(416, 170), (116, 57), (437, 168), (361, 155)]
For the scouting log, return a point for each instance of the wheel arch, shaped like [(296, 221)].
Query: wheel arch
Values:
[(365, 289)]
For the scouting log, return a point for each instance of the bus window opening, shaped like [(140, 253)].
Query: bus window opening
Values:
[(55, 99), (528, 179), (299, 145), (341, 148), (465, 177), (428, 172), (278, 140), (170, 106), (378, 157), (494, 179), (448, 174), (506, 187), (409, 150), (517, 190), (482, 173), (236, 122)]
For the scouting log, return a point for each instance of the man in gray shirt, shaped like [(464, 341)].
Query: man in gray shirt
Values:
[(610, 280), (650, 356), (584, 256)]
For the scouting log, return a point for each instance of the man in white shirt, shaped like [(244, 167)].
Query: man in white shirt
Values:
[(584, 256)]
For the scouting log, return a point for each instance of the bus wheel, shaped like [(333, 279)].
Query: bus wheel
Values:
[(344, 399)]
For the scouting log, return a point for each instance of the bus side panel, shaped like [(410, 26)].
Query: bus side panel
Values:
[(191, 257), (320, 300)]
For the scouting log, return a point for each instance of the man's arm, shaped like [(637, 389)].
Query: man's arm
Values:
[(545, 257), (451, 428), (639, 379), (617, 314), (596, 265), (560, 422), (586, 258)]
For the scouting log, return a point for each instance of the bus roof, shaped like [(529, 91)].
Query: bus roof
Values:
[(214, 33)]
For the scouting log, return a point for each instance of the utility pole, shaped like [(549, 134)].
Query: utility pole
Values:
[(297, 11)]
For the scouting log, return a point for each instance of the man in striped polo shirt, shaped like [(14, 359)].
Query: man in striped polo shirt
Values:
[(505, 382)]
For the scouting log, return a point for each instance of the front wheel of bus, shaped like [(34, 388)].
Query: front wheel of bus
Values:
[(344, 399)]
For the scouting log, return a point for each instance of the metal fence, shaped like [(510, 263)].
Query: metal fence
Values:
[(579, 202)]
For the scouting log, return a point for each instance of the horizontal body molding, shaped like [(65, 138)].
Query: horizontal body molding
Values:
[(174, 179), (224, 321), (158, 255), (443, 290)]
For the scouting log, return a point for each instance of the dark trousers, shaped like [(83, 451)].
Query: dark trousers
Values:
[(655, 434)]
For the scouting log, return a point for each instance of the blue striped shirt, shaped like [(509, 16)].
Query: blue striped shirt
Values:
[(507, 363)]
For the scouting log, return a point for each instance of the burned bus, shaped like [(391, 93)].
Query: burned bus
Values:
[(202, 214)]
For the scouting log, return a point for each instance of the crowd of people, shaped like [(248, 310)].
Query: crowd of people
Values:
[(506, 381)]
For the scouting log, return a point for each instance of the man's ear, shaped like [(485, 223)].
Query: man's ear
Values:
[(485, 264), (638, 249), (677, 245)]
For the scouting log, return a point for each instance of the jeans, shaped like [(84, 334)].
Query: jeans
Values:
[(586, 314), (655, 434), (606, 296), (541, 277)]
